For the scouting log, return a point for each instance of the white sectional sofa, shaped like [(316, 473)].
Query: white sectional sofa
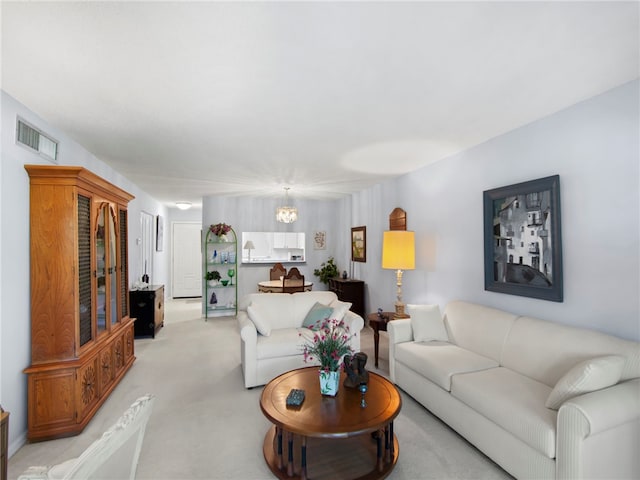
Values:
[(542, 400), (270, 327)]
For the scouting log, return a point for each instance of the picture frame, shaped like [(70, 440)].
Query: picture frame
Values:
[(159, 233), (359, 244), (523, 239), (319, 240)]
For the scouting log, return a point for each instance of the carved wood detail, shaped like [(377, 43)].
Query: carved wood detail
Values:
[(398, 219)]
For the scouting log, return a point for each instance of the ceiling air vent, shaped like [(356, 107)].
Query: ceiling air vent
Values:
[(36, 140)]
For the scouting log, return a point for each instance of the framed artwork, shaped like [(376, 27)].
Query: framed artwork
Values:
[(523, 239), (159, 233), (319, 240), (359, 244)]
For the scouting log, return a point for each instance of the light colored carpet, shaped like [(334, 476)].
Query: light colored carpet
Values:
[(206, 425)]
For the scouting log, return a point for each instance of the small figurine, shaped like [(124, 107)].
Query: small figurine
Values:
[(354, 368), (214, 299), (344, 275), (363, 389)]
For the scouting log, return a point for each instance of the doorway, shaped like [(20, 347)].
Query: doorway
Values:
[(186, 259)]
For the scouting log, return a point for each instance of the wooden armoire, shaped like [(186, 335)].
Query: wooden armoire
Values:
[(81, 333)]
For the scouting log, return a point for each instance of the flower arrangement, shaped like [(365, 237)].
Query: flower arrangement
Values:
[(220, 229), (330, 344)]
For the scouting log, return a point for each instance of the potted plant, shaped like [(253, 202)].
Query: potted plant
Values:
[(329, 346), (326, 271), (213, 277)]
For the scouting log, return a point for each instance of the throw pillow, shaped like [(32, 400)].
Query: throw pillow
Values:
[(427, 323), (259, 320), (340, 309), (588, 376), (317, 313)]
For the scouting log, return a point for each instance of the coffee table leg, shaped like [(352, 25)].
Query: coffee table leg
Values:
[(387, 451), (376, 342), (392, 449), (290, 461), (303, 458), (279, 434), (379, 453)]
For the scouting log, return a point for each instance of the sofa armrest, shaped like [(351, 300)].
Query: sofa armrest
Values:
[(248, 331), (399, 331), (355, 323), (248, 349), (598, 434), (35, 473)]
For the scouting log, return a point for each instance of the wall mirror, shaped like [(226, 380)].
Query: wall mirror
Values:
[(272, 247)]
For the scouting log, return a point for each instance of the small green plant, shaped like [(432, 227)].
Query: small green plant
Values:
[(215, 275), (326, 271)]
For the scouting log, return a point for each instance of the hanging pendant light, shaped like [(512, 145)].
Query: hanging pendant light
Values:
[(286, 214)]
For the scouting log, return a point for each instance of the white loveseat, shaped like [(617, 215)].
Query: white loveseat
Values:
[(542, 400), (270, 327)]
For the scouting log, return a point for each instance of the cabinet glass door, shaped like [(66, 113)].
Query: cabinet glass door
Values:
[(113, 278), (84, 269), (101, 270)]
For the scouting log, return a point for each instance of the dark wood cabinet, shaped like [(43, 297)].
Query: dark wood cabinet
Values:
[(81, 331), (349, 290), (147, 307)]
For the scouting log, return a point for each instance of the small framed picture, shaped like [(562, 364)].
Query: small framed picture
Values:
[(319, 240), (159, 233), (359, 244)]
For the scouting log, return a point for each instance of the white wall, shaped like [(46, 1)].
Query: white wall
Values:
[(15, 354), (594, 147)]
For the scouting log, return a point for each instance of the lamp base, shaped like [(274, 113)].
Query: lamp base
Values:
[(399, 313)]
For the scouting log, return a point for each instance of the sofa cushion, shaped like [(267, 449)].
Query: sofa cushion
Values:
[(439, 361), (478, 328), (301, 303), (317, 313), (427, 323), (545, 350), (259, 319), (512, 401), (340, 309), (275, 309), (282, 342), (587, 376)]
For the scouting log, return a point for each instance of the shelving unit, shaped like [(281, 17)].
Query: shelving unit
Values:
[(221, 254)]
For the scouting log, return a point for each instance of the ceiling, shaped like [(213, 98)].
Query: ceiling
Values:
[(189, 99)]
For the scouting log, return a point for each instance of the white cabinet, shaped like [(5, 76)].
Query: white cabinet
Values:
[(271, 247), (288, 240)]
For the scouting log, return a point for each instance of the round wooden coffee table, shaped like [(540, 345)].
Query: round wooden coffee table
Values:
[(344, 440)]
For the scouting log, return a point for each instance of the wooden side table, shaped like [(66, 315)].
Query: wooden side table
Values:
[(379, 325)]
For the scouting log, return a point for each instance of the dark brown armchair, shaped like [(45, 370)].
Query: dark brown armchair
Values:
[(293, 281), (277, 271)]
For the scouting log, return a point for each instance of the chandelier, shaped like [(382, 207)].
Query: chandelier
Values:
[(286, 214)]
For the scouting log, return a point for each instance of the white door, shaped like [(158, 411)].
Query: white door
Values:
[(186, 259)]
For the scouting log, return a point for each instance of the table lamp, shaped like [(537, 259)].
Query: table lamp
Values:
[(399, 253), (249, 245)]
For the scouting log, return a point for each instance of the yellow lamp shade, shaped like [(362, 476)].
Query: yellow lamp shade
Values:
[(398, 250)]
